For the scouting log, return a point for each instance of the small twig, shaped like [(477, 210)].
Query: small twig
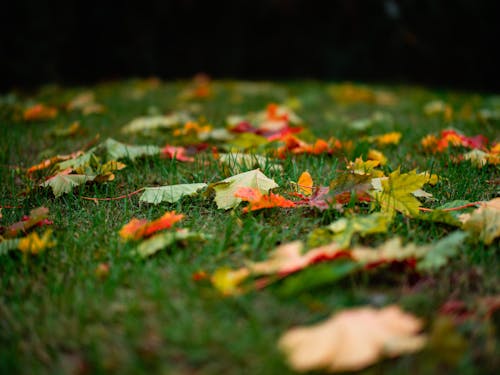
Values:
[(473, 204), (114, 198), (8, 207)]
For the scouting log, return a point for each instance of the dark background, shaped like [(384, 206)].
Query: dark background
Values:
[(441, 43)]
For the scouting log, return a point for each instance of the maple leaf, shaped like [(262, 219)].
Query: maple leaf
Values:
[(344, 228), (352, 339), (136, 229), (258, 201), (170, 193), (64, 182), (174, 152), (396, 193), (225, 189), (39, 112), (34, 244), (37, 216), (484, 222), (441, 251)]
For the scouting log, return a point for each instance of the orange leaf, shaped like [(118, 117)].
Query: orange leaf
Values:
[(305, 183), (141, 228), (39, 112), (259, 201)]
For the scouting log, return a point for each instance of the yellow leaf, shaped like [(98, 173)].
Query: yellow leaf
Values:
[(305, 183), (352, 339), (33, 244), (227, 281), (396, 193)]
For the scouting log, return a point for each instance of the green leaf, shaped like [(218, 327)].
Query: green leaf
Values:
[(79, 162), (396, 193), (247, 141), (117, 150), (225, 189), (239, 162), (64, 183), (441, 251), (7, 245), (318, 276), (163, 240), (170, 193), (345, 228), (148, 123)]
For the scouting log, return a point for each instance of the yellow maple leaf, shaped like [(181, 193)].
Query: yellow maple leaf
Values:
[(396, 192)]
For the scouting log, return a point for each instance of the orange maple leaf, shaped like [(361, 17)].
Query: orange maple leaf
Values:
[(136, 229), (258, 201), (39, 112)]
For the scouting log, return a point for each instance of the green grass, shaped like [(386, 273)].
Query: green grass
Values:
[(149, 315)]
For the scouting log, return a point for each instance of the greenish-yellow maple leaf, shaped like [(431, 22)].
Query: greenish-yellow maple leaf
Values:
[(396, 193)]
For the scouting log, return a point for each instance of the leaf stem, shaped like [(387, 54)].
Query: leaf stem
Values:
[(114, 198)]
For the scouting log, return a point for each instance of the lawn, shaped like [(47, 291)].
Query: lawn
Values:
[(89, 302)]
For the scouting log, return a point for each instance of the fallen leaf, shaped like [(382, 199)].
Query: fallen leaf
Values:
[(160, 241), (39, 112), (484, 222), (149, 123), (117, 150), (441, 251), (238, 162), (396, 193), (136, 229), (37, 216), (258, 201), (34, 244), (345, 228), (305, 183), (177, 153), (227, 281), (225, 189), (63, 182), (352, 339), (170, 193)]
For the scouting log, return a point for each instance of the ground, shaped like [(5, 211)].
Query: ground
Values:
[(87, 305)]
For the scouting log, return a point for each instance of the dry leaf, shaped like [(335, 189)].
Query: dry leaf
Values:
[(352, 339)]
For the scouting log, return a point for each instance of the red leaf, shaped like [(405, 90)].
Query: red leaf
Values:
[(141, 228), (258, 201), (178, 153)]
